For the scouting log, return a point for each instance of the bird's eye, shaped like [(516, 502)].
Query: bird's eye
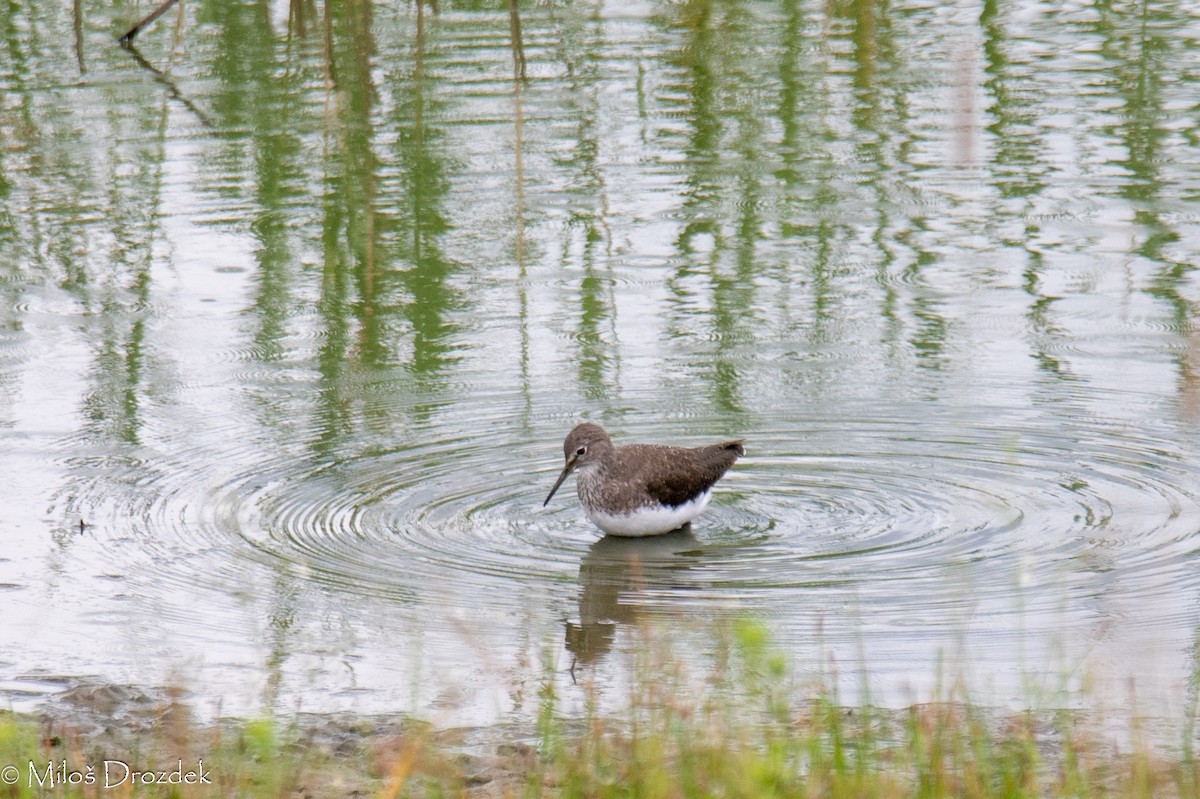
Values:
[(580, 452)]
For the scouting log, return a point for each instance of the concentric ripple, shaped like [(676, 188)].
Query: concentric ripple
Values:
[(884, 507)]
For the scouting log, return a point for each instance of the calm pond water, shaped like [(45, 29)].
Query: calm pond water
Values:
[(298, 301)]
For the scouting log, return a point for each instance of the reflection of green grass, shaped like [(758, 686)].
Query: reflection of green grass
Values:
[(746, 729)]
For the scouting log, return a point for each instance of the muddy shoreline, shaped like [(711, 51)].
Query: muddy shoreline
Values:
[(90, 724), (96, 728)]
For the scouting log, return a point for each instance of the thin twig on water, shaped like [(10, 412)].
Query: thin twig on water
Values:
[(166, 81), (146, 20)]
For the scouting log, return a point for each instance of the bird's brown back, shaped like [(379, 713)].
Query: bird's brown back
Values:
[(675, 475)]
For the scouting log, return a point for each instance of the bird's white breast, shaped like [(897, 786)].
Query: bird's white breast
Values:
[(653, 520)]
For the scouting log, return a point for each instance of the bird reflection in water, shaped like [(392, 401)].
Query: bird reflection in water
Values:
[(616, 577)]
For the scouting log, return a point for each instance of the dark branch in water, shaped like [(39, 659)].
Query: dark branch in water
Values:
[(78, 18), (161, 77), (518, 46), (146, 20)]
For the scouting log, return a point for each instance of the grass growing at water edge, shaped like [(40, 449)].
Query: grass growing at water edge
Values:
[(748, 728), (753, 731)]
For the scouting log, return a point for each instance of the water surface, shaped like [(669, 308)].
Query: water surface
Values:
[(297, 304)]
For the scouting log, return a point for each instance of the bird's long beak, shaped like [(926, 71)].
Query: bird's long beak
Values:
[(570, 467)]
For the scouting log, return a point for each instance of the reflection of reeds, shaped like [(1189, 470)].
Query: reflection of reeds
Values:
[(746, 728)]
